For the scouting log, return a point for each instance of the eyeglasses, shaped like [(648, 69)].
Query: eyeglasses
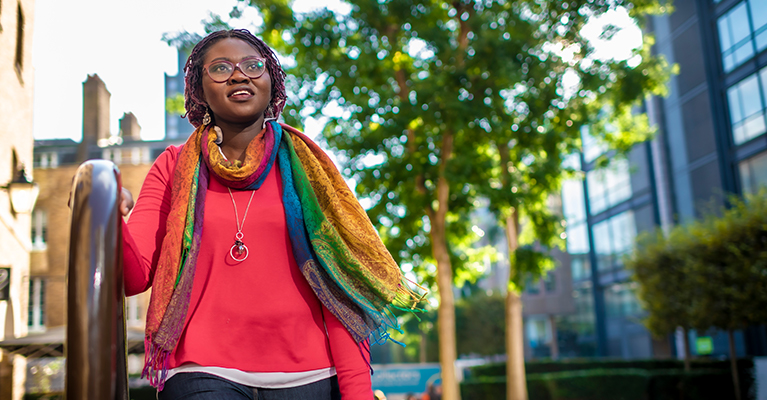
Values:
[(221, 70)]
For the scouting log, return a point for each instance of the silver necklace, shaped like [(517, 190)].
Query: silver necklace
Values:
[(238, 248)]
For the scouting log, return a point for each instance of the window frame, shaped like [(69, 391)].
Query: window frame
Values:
[(736, 104), (36, 305), (754, 42), (18, 61)]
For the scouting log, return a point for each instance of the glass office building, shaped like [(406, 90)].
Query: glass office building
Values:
[(711, 142)]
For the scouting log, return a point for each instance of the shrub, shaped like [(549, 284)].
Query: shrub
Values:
[(613, 384)]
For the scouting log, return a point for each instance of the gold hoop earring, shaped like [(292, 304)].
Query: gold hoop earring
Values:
[(206, 118)]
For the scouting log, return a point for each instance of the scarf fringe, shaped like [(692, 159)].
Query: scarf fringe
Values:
[(408, 295), (380, 335), (364, 346), (156, 364), (407, 300)]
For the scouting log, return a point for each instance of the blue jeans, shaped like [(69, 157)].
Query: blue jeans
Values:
[(202, 386)]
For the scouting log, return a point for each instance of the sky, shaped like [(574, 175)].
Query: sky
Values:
[(121, 42), (118, 40)]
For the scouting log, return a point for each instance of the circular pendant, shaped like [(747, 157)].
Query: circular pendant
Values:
[(239, 251)]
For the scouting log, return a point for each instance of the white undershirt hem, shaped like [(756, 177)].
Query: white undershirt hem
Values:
[(266, 380)]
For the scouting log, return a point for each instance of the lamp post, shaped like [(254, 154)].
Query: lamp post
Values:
[(23, 192)]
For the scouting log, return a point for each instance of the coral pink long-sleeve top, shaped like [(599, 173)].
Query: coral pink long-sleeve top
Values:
[(258, 315)]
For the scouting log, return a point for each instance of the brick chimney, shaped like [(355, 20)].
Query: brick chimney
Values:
[(129, 127), (95, 108), (95, 115)]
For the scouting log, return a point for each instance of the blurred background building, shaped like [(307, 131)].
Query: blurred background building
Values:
[(175, 127), (17, 83), (44, 284), (55, 162), (711, 142)]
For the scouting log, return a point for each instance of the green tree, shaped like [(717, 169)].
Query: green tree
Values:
[(659, 265), (708, 274), (729, 268), (175, 104), (557, 88), (433, 105)]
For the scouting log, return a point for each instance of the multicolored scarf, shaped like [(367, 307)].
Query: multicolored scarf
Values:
[(334, 243)]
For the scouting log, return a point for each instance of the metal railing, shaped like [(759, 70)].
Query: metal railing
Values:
[(96, 337)]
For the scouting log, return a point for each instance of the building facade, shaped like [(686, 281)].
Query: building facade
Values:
[(17, 83), (711, 143), (56, 162), (175, 127)]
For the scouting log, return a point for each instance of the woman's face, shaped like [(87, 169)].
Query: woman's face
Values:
[(240, 99)]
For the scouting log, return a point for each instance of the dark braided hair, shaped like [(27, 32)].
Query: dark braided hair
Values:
[(196, 107)]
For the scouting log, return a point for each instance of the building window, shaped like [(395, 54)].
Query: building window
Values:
[(550, 282), (742, 33), (758, 10), (532, 286), (592, 148), (39, 229), (621, 300), (19, 40), (36, 318), (133, 313), (613, 238), (609, 186), (114, 155), (577, 239), (135, 155), (753, 173), (140, 155), (539, 335), (746, 101), (46, 160), (575, 332), (5, 283)]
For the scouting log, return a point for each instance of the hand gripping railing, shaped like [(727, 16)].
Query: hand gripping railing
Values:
[(96, 337)]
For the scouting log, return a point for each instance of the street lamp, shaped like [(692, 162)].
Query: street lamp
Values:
[(23, 192)]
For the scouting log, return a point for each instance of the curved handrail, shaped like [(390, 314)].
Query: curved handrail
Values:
[(96, 338)]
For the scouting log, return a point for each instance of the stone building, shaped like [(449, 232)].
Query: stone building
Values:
[(56, 161), (17, 83)]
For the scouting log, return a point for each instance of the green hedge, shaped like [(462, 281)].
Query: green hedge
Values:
[(611, 384), (538, 367), (597, 384), (143, 393)]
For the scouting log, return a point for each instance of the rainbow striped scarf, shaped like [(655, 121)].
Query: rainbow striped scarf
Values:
[(334, 243)]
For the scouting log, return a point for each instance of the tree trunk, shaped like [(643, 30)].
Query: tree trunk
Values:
[(734, 363), (687, 356), (516, 385), (422, 355), (446, 312), (554, 338)]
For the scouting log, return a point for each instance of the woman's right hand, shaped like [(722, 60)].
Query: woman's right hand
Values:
[(126, 202)]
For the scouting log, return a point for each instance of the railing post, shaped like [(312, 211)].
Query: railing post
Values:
[(96, 338)]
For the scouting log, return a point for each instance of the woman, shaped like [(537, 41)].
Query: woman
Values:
[(267, 277)]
